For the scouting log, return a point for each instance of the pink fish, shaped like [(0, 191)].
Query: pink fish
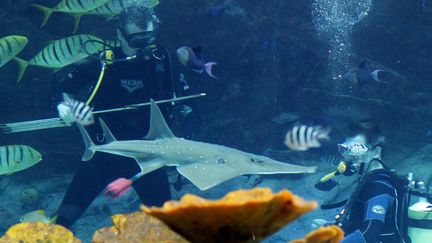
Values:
[(118, 188), (192, 58)]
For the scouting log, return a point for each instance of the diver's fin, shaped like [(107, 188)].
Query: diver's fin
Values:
[(46, 12), (88, 154), (109, 137), (205, 176), (23, 64), (158, 126)]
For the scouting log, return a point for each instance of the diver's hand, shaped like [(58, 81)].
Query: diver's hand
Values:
[(65, 113)]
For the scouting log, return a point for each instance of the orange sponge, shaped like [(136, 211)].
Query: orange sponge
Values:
[(240, 216), (330, 234), (136, 227)]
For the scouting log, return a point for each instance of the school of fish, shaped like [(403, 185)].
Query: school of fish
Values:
[(79, 8)]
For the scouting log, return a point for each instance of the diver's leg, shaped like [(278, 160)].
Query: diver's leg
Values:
[(90, 179), (153, 188)]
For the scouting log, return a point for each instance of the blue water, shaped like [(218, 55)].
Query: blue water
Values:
[(274, 57)]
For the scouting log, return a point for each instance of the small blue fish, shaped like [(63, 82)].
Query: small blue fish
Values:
[(192, 58), (363, 75)]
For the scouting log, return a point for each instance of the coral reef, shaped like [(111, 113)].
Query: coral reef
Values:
[(136, 227), (38, 232), (330, 234), (240, 216)]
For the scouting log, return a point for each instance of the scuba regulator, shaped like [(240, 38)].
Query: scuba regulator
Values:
[(144, 41), (327, 183)]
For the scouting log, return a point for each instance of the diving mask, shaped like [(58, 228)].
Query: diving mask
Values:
[(352, 150), (141, 39), (327, 183)]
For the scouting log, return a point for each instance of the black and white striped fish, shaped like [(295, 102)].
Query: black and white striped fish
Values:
[(81, 112), (302, 137), (15, 158)]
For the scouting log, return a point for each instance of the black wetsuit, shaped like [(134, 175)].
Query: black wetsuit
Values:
[(124, 83), (374, 211)]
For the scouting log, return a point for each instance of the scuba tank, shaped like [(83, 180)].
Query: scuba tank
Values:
[(419, 214), (420, 222)]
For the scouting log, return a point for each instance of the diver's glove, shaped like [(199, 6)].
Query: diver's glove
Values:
[(65, 113)]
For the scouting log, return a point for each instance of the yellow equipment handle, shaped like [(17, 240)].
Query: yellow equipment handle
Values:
[(340, 170), (328, 176)]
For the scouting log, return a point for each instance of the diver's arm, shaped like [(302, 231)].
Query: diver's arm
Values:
[(375, 215), (74, 82)]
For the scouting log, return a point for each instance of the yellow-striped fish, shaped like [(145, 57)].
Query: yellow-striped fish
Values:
[(113, 8), (73, 7), (63, 52), (10, 46), (15, 158)]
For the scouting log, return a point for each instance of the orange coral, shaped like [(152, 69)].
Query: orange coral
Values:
[(240, 216), (330, 234), (38, 232), (136, 227)]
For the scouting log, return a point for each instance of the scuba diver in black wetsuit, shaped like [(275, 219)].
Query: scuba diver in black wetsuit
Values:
[(377, 210), (371, 212), (141, 70)]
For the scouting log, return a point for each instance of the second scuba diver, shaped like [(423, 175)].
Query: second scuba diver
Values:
[(373, 213)]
